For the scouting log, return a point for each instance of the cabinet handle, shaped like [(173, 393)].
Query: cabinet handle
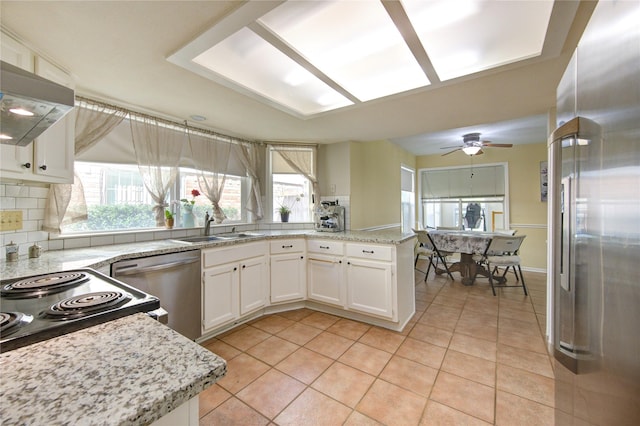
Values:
[(301, 257), (43, 167), (367, 251), (340, 261), (27, 165), (235, 268), (322, 260), (244, 266), (287, 246), (348, 263), (324, 247)]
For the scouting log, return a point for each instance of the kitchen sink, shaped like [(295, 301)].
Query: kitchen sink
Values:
[(237, 235), (219, 237), (198, 239)]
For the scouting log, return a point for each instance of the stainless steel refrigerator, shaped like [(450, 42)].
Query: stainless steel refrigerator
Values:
[(595, 228)]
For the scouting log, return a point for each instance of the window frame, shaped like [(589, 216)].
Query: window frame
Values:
[(270, 184), (461, 200)]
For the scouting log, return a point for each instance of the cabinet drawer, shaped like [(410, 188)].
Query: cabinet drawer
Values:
[(326, 247), (370, 251), (218, 256), (287, 246)]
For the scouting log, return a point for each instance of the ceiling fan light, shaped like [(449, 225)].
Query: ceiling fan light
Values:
[(471, 150)]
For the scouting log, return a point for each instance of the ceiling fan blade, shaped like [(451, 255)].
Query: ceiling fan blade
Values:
[(454, 146), (451, 152), (498, 145)]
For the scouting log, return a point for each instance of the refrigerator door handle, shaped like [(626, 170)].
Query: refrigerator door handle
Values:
[(566, 221)]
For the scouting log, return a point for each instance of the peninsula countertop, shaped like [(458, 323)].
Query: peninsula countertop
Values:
[(101, 256), (129, 371)]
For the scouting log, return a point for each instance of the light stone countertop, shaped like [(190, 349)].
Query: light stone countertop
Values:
[(101, 256), (129, 371)]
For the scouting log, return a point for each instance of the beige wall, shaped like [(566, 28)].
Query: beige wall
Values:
[(375, 183), (527, 213), (333, 169)]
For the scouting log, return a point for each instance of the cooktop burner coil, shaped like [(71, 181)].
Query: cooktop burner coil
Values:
[(12, 321), (84, 304), (42, 285)]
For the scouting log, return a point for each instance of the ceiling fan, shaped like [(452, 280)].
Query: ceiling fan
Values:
[(472, 145)]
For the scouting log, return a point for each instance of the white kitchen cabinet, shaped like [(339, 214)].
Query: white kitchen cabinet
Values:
[(253, 288), (288, 270), (49, 158), (325, 272), (15, 53), (234, 283), (220, 295), (370, 279)]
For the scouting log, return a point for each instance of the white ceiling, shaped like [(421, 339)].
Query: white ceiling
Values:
[(118, 50)]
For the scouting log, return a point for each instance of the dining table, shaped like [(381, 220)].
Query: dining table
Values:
[(467, 244)]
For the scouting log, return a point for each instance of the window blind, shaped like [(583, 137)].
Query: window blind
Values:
[(476, 181)]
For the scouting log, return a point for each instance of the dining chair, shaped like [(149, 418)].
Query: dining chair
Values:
[(502, 252), (428, 249)]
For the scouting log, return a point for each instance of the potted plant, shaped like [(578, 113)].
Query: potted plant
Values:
[(284, 213), (168, 219), (285, 209)]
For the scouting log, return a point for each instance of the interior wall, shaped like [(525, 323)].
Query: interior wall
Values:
[(375, 183), (527, 213), (333, 169)]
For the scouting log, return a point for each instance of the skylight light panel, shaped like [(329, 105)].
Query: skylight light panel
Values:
[(255, 65), (355, 43), (468, 36)]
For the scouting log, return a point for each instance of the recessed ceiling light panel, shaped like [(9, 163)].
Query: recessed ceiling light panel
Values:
[(467, 36), (249, 61), (355, 43)]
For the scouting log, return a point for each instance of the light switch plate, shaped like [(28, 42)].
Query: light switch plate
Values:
[(10, 220)]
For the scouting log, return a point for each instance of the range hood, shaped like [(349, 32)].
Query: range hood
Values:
[(29, 105)]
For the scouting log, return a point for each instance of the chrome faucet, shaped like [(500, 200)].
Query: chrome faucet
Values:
[(207, 224)]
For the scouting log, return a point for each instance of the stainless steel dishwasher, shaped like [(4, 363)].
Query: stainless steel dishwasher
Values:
[(173, 278)]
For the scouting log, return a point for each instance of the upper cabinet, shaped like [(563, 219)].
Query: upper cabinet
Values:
[(49, 158)]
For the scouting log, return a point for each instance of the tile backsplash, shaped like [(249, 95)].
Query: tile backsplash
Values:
[(31, 198)]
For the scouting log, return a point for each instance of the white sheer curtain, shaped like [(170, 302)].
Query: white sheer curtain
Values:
[(65, 202), (211, 158), (158, 150), (250, 158), (302, 161)]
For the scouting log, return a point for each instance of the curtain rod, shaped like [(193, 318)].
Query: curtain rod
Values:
[(169, 123)]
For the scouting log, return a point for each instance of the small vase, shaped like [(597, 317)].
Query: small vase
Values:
[(284, 217), (168, 223), (188, 218)]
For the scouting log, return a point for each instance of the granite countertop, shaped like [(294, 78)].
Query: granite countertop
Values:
[(101, 256), (129, 371)]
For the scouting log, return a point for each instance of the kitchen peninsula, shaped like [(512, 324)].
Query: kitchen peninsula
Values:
[(129, 371), (371, 276)]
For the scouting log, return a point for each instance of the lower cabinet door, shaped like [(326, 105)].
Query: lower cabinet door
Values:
[(220, 290), (370, 287), (253, 284), (325, 279), (288, 277)]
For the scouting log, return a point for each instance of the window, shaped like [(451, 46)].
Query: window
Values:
[(407, 198), (289, 188), (468, 198), (118, 200), (231, 200)]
